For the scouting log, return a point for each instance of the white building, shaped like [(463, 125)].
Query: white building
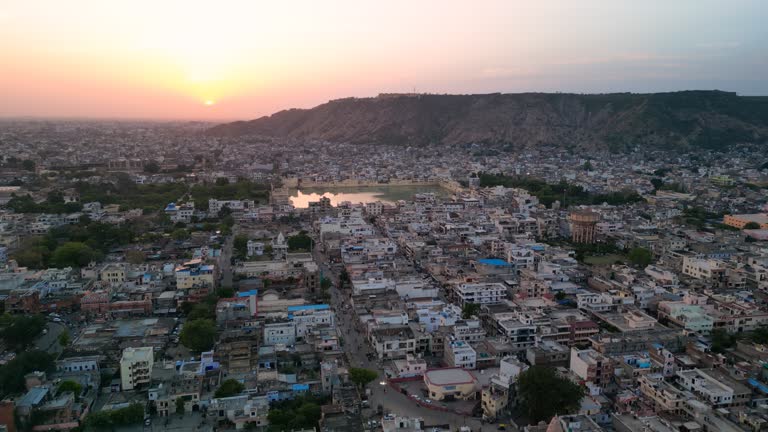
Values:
[(469, 331), (410, 366), (280, 333), (78, 364), (481, 293), (307, 317), (255, 248), (434, 317), (460, 354), (136, 367), (214, 205), (509, 369), (702, 268), (706, 387)]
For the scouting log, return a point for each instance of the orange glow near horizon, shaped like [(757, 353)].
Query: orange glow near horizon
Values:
[(169, 59)]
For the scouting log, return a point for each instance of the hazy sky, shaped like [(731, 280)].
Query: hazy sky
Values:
[(166, 59)]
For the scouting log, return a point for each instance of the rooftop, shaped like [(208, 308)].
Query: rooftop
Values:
[(448, 376)]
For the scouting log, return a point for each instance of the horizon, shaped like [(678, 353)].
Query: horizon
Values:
[(182, 62), (237, 119)]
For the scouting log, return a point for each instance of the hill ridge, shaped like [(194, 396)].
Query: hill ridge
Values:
[(706, 119)]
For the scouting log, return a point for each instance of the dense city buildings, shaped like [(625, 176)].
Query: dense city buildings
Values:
[(205, 281)]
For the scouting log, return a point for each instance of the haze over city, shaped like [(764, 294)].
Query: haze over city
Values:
[(244, 59)]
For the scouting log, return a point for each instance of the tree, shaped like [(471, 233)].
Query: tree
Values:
[(198, 335), (640, 257), (760, 335), (12, 373), (180, 234), (297, 414), (28, 165), (361, 376), (721, 340), (71, 386), (225, 292), (343, 277), (560, 296), (230, 387), (240, 244), (64, 338), (201, 311), (152, 167), (224, 211), (657, 182), (544, 393), (587, 166), (325, 284), (20, 331), (300, 241), (134, 256), (179, 406), (108, 420), (73, 254), (469, 310), (752, 225)]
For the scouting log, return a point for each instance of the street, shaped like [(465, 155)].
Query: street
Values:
[(357, 347), (50, 342), (225, 259)]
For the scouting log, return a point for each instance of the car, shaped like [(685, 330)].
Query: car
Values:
[(427, 401)]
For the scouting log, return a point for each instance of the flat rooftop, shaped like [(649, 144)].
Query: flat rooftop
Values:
[(448, 376)]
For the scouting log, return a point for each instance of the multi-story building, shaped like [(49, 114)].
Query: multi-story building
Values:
[(393, 341), (548, 353), (468, 331), (136, 367), (518, 334), (665, 396), (280, 333), (307, 317), (691, 317), (740, 221), (705, 387), (480, 293), (704, 268), (195, 274), (215, 206), (459, 354), (113, 274), (591, 366)]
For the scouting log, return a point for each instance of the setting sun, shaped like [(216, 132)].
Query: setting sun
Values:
[(209, 102)]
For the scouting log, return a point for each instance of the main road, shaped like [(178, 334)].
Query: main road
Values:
[(226, 259)]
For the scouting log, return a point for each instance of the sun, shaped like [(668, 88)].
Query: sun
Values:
[(209, 102)]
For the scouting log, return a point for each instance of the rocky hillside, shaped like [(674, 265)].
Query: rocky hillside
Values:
[(701, 119)]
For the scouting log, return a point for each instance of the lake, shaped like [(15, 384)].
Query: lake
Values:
[(301, 198)]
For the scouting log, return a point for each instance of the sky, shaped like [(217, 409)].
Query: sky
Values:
[(228, 59)]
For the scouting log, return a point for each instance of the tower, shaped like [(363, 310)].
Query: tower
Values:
[(583, 223)]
